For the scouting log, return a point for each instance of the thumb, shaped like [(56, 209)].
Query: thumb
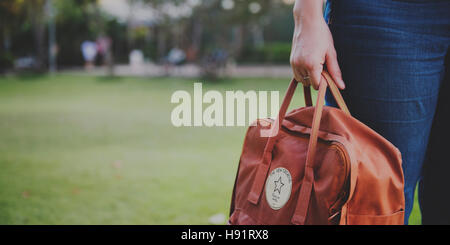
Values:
[(333, 68)]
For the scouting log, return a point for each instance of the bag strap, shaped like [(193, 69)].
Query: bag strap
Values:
[(307, 95), (304, 197), (264, 166), (308, 179), (335, 91)]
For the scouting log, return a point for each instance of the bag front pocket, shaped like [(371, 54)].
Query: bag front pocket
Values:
[(396, 218)]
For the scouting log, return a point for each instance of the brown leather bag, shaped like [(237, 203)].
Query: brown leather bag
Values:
[(342, 173)]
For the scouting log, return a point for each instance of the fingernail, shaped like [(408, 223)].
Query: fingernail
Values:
[(342, 84)]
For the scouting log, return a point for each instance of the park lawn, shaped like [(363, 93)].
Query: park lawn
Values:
[(97, 150)]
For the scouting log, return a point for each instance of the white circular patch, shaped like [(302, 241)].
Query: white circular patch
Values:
[(278, 188)]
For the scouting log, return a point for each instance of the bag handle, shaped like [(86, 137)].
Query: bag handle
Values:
[(307, 95), (334, 90), (264, 166), (308, 179)]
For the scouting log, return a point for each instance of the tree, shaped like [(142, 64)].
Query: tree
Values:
[(36, 14), (31, 12), (10, 19)]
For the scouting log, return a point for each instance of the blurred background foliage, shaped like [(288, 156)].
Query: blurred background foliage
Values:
[(247, 31)]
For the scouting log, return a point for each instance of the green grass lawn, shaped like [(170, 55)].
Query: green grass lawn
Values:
[(92, 150)]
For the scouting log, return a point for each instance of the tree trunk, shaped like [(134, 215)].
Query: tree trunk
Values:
[(161, 43), (238, 40), (36, 14)]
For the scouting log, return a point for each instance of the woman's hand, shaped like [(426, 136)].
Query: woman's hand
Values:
[(312, 45)]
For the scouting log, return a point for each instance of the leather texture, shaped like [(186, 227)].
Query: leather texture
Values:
[(342, 171)]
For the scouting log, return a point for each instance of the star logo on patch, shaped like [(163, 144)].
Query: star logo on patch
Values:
[(278, 185), (278, 179)]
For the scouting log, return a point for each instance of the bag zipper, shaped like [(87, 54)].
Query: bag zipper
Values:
[(335, 208)]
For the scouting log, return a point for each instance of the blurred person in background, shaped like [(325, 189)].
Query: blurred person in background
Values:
[(104, 51), (393, 57), (89, 51), (175, 57), (103, 44)]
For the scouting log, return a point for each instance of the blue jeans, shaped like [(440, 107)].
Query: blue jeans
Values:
[(392, 54)]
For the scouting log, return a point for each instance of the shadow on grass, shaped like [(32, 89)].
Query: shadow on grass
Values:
[(30, 76), (109, 79), (217, 81)]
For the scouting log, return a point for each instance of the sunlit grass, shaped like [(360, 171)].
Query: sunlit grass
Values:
[(88, 150)]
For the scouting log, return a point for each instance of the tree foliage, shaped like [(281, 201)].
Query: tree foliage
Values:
[(201, 29)]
